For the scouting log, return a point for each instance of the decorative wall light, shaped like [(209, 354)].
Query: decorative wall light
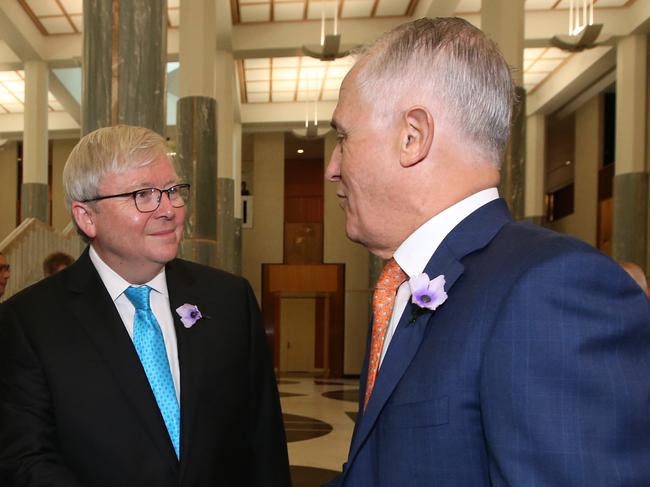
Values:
[(582, 30), (330, 47)]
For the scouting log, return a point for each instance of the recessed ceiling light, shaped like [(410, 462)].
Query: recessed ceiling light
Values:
[(300, 151)]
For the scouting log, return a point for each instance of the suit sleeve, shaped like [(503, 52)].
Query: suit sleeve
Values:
[(564, 385), (270, 462), (29, 454)]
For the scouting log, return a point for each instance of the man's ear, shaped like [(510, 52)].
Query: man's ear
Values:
[(417, 135), (84, 216)]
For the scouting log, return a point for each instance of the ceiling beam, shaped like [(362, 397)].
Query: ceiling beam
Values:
[(435, 8), (292, 113), (575, 76), (11, 124), (19, 41)]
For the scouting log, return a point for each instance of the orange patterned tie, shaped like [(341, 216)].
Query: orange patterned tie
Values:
[(383, 300)]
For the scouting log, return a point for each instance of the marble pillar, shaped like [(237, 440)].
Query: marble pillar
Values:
[(630, 233), (631, 217), (226, 231), (34, 190), (124, 64), (513, 170), (375, 266), (226, 236), (503, 22), (196, 124), (237, 206), (534, 175), (196, 156)]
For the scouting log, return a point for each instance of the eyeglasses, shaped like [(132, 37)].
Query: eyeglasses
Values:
[(148, 199)]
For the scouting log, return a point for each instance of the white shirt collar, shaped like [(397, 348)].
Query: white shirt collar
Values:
[(414, 253), (116, 284)]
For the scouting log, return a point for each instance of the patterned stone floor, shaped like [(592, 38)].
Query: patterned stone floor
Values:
[(318, 419)]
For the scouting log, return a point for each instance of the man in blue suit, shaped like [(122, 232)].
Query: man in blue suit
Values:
[(522, 357)]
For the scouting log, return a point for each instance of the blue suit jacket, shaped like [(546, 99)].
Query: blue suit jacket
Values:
[(534, 372)]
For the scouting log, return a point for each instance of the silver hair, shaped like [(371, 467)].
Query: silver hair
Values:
[(453, 63), (109, 150)]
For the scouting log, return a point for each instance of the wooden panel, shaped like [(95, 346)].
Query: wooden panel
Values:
[(320, 317), (605, 225), (560, 144), (326, 279), (303, 243), (303, 209), (302, 278), (303, 177)]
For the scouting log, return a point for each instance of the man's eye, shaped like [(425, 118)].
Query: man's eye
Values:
[(143, 195)]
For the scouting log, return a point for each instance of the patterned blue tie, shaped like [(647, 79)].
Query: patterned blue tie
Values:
[(149, 344)]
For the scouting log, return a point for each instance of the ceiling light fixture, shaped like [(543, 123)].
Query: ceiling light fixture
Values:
[(582, 30), (330, 47)]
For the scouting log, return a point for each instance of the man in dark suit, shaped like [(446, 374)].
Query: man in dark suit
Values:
[(131, 367), (521, 357)]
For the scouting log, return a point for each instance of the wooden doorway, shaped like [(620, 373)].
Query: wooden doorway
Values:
[(324, 285)]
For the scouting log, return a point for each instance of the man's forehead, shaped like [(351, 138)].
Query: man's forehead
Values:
[(138, 175)]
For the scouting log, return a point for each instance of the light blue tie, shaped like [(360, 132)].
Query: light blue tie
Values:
[(149, 344)]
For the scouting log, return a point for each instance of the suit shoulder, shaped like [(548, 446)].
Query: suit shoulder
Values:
[(206, 273), (37, 292), (529, 237)]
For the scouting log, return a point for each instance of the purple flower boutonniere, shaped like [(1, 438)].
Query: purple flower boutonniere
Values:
[(189, 314), (426, 294)]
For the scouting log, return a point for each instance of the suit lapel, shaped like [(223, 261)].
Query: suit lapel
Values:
[(473, 233), (93, 308), (183, 289), (403, 348)]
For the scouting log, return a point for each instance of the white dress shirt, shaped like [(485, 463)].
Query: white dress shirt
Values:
[(159, 301), (416, 251)]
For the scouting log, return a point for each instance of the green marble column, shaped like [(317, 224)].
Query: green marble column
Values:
[(196, 155), (237, 263), (34, 201), (513, 174), (629, 240), (124, 63), (34, 189), (226, 231), (375, 266)]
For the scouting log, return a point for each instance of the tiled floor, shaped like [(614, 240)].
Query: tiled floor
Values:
[(318, 419)]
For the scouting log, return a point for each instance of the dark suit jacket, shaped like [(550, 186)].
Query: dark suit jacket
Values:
[(76, 407), (534, 372)]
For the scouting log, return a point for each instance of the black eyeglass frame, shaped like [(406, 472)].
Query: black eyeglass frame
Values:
[(133, 194)]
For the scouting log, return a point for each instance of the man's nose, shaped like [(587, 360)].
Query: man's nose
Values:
[(333, 171)]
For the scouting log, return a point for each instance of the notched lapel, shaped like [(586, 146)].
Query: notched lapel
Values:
[(182, 290), (404, 346), (94, 310), (473, 233)]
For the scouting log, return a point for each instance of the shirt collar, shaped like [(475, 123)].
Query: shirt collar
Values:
[(414, 253), (116, 284)]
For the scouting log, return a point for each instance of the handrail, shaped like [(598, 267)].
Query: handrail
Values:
[(27, 246)]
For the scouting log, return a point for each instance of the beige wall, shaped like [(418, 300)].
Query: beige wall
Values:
[(263, 243), (60, 151), (8, 195), (583, 222), (338, 249)]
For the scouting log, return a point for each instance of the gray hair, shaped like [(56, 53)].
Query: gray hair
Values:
[(104, 151), (109, 150), (457, 66)]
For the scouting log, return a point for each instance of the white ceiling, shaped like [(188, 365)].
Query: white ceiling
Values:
[(266, 45)]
